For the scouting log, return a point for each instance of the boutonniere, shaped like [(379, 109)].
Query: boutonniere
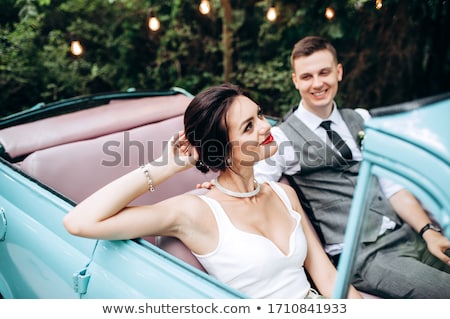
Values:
[(360, 138)]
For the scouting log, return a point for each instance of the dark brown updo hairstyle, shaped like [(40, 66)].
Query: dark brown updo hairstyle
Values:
[(206, 127)]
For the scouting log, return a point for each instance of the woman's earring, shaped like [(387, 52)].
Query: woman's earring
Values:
[(228, 161)]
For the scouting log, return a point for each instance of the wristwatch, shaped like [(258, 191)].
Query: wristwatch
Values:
[(429, 226)]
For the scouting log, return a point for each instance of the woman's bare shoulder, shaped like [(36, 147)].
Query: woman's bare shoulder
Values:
[(292, 195), (287, 188)]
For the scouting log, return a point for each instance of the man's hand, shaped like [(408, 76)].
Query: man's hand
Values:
[(437, 244), (207, 185), (412, 212)]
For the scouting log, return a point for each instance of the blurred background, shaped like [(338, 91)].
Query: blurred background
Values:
[(392, 50)]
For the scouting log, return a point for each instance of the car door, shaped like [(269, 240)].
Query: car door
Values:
[(35, 254)]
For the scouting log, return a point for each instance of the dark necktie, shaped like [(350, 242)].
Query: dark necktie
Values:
[(337, 141)]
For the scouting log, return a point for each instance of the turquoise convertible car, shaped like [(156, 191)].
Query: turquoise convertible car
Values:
[(53, 156)]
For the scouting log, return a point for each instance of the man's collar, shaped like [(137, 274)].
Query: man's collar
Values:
[(312, 120)]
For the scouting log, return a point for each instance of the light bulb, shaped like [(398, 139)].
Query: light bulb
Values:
[(76, 48), (204, 7), (271, 14), (329, 13), (154, 24), (378, 4)]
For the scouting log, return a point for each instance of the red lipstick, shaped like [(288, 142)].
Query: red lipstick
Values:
[(268, 140)]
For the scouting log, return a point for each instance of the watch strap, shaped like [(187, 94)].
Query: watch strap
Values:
[(427, 227)]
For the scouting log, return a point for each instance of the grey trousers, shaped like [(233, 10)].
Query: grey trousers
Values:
[(399, 265)]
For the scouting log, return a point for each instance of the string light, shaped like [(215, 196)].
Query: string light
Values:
[(271, 14), (378, 4), (153, 22), (204, 7), (329, 13), (75, 46)]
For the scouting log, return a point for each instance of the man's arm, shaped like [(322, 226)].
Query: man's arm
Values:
[(412, 212)]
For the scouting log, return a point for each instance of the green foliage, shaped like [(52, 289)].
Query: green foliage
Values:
[(19, 62), (395, 54), (270, 85)]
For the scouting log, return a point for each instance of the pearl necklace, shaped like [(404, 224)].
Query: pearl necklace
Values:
[(238, 194)]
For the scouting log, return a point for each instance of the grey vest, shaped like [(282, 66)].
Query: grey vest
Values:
[(328, 181)]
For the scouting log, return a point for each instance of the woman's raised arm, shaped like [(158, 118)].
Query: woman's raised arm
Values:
[(106, 215)]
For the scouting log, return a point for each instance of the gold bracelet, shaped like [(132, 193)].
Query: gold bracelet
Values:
[(149, 178)]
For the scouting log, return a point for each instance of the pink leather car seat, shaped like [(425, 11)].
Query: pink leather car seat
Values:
[(117, 116)]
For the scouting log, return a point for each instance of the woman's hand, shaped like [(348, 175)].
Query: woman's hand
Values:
[(180, 153)]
